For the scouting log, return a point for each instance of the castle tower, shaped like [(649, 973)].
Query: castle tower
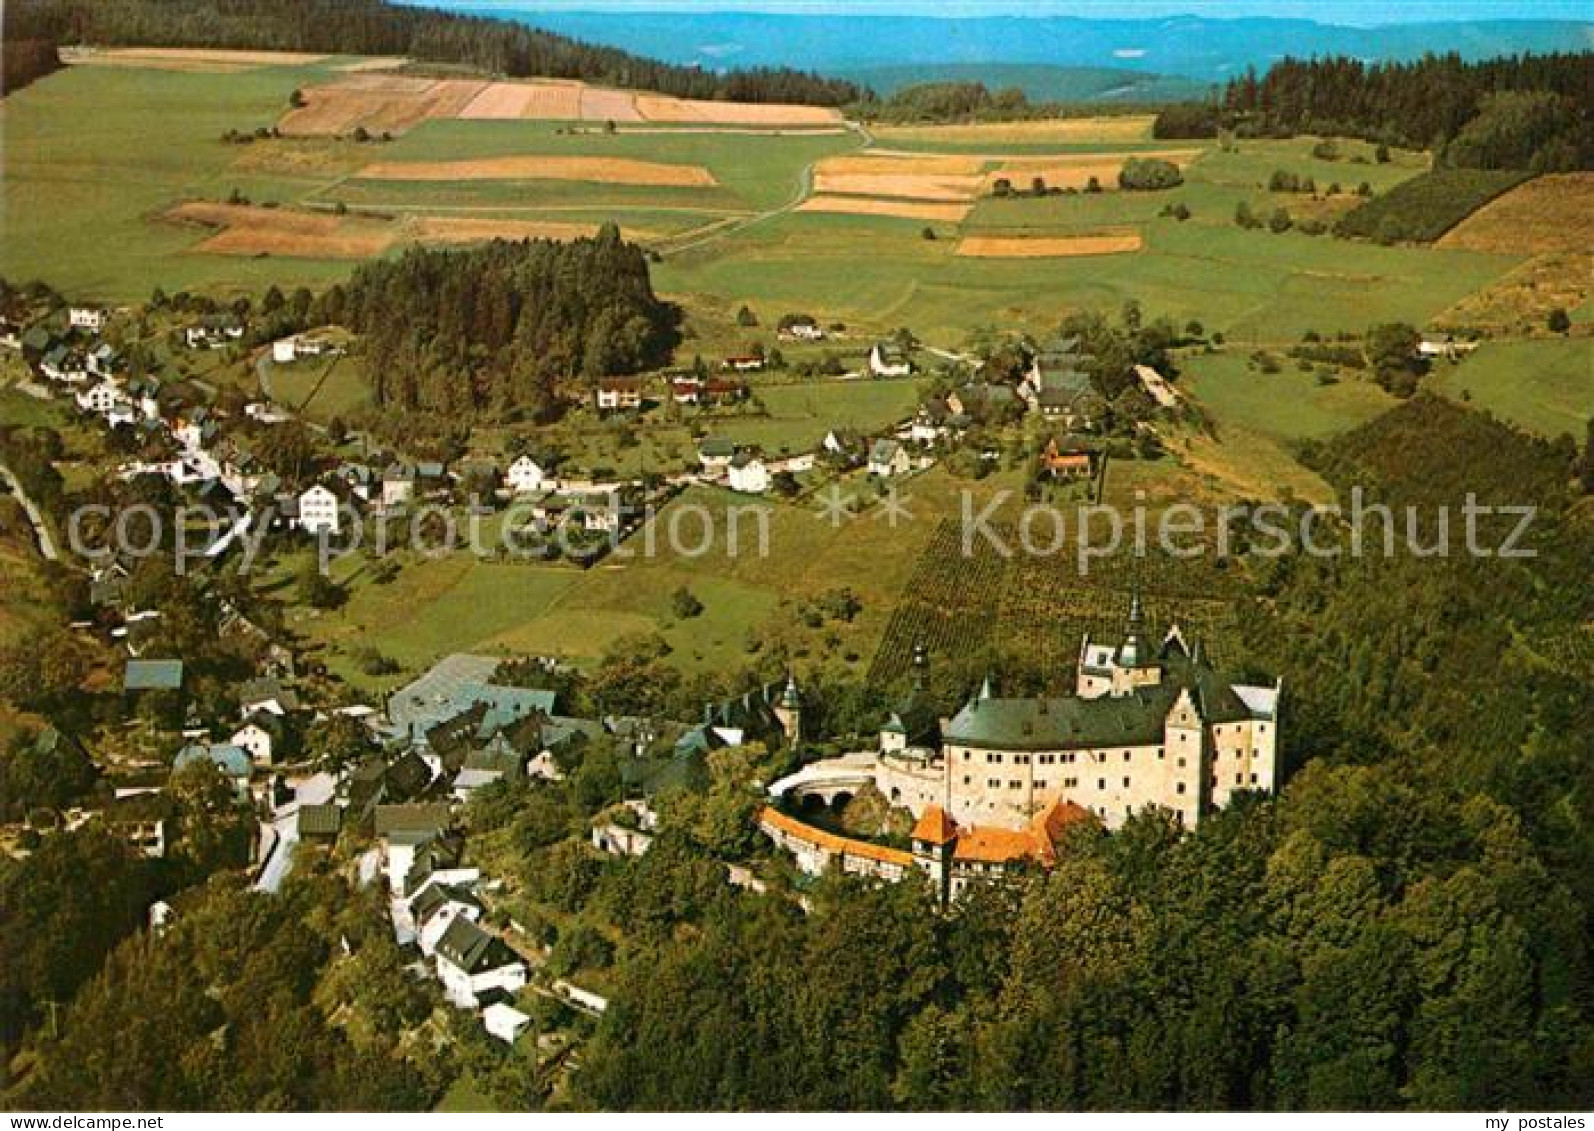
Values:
[(789, 711)]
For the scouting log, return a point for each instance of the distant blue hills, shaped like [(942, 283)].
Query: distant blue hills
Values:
[(1180, 54)]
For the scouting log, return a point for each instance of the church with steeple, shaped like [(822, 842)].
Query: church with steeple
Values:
[(1151, 723)]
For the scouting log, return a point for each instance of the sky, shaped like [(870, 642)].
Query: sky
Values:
[(1359, 13)]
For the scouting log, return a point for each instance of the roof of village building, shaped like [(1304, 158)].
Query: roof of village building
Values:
[(409, 820), (934, 826), (319, 820), (153, 675), (472, 949), (435, 896)]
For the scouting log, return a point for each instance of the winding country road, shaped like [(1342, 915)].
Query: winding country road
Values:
[(805, 187), (41, 527)]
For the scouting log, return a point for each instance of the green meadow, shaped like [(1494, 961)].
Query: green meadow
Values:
[(1545, 385)]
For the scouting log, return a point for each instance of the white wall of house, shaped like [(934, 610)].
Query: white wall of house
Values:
[(463, 988)]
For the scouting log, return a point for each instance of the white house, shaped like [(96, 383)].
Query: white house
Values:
[(505, 1022), (90, 318), (886, 360), (888, 458), (434, 909), (619, 394), (471, 962), (525, 476), (318, 510), (282, 351), (398, 486), (259, 737), (748, 474)]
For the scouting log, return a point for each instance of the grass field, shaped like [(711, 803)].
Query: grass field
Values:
[(1545, 386), (460, 603)]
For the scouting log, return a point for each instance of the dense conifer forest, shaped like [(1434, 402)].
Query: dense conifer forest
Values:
[(375, 27), (1525, 112), (498, 328)]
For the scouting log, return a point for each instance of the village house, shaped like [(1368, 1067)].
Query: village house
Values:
[(505, 1022), (398, 485), (214, 331), (889, 458), (802, 330), (234, 762), (747, 474), (846, 445), (318, 510), (526, 476), (87, 318), (405, 829), (715, 454), (889, 360), (435, 907), (619, 394), (744, 363), (264, 735), (471, 963), (1066, 459)]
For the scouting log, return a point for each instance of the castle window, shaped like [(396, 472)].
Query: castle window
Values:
[(1239, 779), (1159, 752), (1179, 788), (1253, 779), (1126, 783), (1126, 755), (965, 755), (965, 779), (1015, 785), (1101, 783), (1181, 763), (993, 783), (1020, 759)]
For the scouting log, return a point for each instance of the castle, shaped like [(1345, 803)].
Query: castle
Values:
[(1150, 723)]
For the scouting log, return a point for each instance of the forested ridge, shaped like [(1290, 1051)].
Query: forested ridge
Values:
[(497, 328), (376, 27), (1520, 112)]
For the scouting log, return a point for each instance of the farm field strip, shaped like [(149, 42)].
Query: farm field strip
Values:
[(395, 103), (1049, 247), (552, 167)]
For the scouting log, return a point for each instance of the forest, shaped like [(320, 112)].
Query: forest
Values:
[(1521, 112), (376, 27), (499, 328), (24, 60)]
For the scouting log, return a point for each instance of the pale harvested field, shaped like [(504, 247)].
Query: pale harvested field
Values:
[(343, 243), (464, 229), (375, 63), (250, 230), (393, 103), (186, 58), (929, 164), (870, 206), (599, 104), (1048, 247), (1106, 128), (1547, 214), (942, 179), (907, 186), (662, 108), (544, 167), (380, 103), (1076, 170)]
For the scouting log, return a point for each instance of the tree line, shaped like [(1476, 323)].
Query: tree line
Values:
[(1521, 112), (376, 27), (499, 328)]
